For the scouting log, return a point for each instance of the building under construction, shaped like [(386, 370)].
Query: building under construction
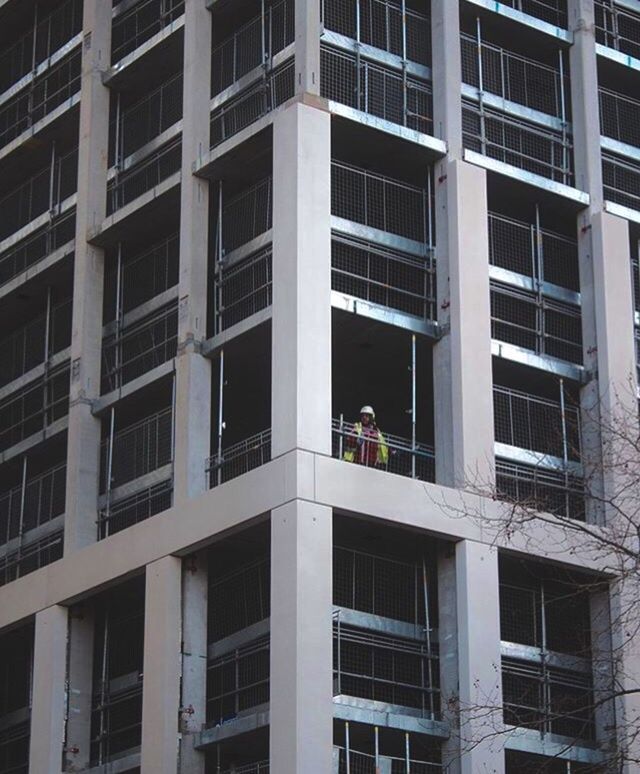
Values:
[(225, 225)]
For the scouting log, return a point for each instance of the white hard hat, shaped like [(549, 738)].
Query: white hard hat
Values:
[(368, 410)]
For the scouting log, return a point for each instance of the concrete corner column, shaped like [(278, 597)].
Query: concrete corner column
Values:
[(481, 723), (448, 653), (162, 666), (307, 65), (447, 74), (301, 709), (193, 371), (301, 317), (48, 691), (194, 660), (463, 383), (88, 281), (80, 687)]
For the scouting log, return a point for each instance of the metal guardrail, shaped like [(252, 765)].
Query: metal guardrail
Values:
[(141, 22), (617, 27), (377, 90), (405, 458), (551, 11), (254, 44), (31, 557), (621, 180), (351, 761), (619, 117), (380, 23), (134, 509), (247, 215), (239, 599), (243, 289), (261, 767), (239, 458)]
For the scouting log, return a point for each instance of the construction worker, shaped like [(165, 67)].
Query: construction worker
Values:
[(366, 444)]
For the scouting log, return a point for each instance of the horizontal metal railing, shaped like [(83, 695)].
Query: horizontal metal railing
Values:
[(247, 215), (259, 99), (46, 36), (37, 501), (131, 510), (239, 598), (380, 275), (261, 767), (141, 22), (355, 762), (619, 117), (544, 426), (137, 449), (375, 89), (239, 458), (243, 289), (617, 27), (380, 23), (40, 98), (534, 322), (140, 178), (380, 202), (520, 143), (59, 231), (513, 77), (140, 347), (621, 180), (254, 44), (551, 11), (536, 488), (116, 722), (31, 557), (534, 252), (404, 456)]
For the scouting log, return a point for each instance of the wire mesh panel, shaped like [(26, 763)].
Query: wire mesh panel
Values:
[(239, 458), (380, 202), (28, 252), (276, 87), (254, 44), (617, 27), (384, 276), (403, 456), (43, 95), (379, 585), (381, 25), (31, 409), (142, 177), (141, 22), (513, 77), (385, 669), (138, 449), (619, 117), (239, 599), (538, 424), (14, 748), (551, 11), (31, 557), (621, 180), (247, 215), (372, 88), (243, 289), (140, 347), (151, 115), (517, 142), (536, 323), (46, 36), (237, 681), (261, 767), (351, 761), (547, 699), (32, 344), (540, 489), (131, 510)]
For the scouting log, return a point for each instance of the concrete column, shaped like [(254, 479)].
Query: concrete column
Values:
[(301, 322), (193, 371), (162, 666), (48, 691), (194, 660), (481, 723), (86, 338), (301, 717), (462, 358), (80, 687), (307, 21), (447, 74), (448, 653)]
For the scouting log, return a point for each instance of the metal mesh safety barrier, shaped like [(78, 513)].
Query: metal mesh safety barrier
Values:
[(239, 458), (619, 117), (551, 11), (31, 557), (536, 488), (621, 180), (141, 22), (243, 289), (617, 27), (128, 511), (239, 599)]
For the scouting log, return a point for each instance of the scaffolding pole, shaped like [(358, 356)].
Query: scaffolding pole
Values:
[(220, 418), (427, 619), (413, 405), (112, 422), (219, 258)]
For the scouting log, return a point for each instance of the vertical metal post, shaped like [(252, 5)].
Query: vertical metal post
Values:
[(341, 438), (376, 737), (118, 319), (23, 496), (427, 620), (538, 280), (52, 177), (358, 89), (173, 423), (118, 138), (405, 106), (483, 139), (545, 681), (219, 258), (347, 747), (413, 405), (563, 117), (35, 37), (112, 424), (407, 753), (103, 684), (47, 328), (339, 652), (45, 377), (263, 35), (220, 418)]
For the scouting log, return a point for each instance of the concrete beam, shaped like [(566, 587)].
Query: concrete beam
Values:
[(80, 687), (446, 67), (307, 47), (162, 667), (48, 691), (301, 658), (448, 654), (301, 316)]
